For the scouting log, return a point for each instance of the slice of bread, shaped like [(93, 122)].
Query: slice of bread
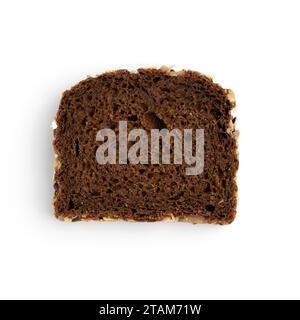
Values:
[(148, 99)]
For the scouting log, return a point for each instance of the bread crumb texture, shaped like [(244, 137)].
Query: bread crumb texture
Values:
[(148, 99)]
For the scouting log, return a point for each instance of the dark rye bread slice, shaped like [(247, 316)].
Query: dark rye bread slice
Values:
[(148, 99)]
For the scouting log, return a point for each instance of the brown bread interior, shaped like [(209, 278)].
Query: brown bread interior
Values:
[(148, 99)]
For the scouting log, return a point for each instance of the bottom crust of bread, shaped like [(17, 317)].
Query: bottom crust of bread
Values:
[(193, 219)]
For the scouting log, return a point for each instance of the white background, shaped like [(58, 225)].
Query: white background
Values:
[(251, 47)]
